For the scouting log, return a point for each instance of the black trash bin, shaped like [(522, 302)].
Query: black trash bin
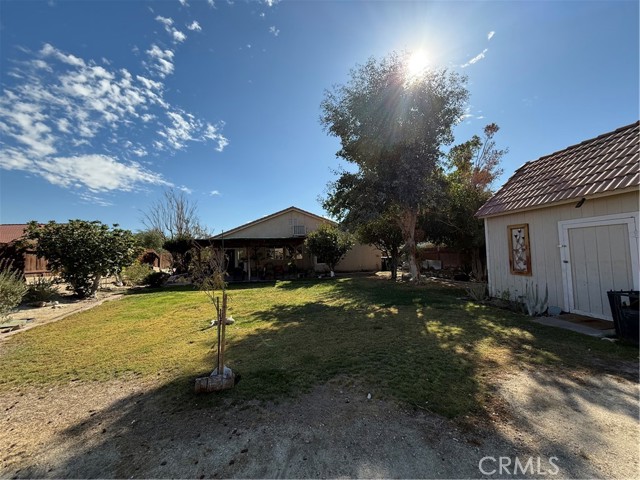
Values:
[(624, 308)]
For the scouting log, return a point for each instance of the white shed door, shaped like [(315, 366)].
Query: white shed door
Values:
[(600, 259)]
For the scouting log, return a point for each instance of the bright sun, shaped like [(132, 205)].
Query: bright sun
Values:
[(417, 63)]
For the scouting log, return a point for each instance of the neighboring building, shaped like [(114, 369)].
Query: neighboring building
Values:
[(23, 259), (273, 247), (568, 222), (158, 261)]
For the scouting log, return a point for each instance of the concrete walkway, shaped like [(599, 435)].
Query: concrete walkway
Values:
[(575, 326)]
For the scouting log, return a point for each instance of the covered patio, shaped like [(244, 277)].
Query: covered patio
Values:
[(257, 259)]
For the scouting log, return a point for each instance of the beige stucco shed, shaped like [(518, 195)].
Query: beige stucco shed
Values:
[(568, 223)]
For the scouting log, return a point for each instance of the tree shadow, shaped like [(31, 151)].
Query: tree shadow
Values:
[(421, 347)]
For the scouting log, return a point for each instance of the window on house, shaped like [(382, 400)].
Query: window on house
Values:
[(519, 250)]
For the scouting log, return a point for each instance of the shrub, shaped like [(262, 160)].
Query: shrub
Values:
[(12, 288), (477, 292), (156, 279), (42, 290), (137, 273)]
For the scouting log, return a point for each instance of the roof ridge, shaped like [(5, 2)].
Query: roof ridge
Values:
[(265, 218), (584, 142), (601, 164)]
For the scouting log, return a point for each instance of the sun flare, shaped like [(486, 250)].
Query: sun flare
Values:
[(417, 63)]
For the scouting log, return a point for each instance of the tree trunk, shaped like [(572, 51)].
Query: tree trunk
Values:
[(394, 265), (478, 267), (95, 285), (408, 226)]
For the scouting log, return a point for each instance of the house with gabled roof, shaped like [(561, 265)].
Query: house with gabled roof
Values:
[(568, 223), (273, 247)]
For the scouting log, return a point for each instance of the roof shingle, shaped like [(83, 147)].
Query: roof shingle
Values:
[(11, 232), (606, 163)]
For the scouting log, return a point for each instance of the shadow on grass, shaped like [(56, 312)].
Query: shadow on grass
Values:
[(424, 347)]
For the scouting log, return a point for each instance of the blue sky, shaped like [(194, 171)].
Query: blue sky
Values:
[(105, 104)]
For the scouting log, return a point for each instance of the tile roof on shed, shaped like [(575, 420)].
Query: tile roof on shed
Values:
[(603, 164), (11, 232)]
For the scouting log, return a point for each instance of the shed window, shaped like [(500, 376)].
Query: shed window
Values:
[(519, 251)]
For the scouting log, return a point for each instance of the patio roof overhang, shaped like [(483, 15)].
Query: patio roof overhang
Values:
[(251, 242)]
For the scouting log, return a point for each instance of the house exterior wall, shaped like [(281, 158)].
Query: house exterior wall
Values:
[(546, 264), (280, 226), (361, 258), (296, 224)]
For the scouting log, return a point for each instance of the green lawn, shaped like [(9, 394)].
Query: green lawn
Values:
[(422, 345)]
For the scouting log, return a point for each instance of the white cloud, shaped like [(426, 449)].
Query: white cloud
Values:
[(183, 3), (79, 125), (95, 173), (274, 31), (490, 35), (186, 190), (167, 22), (476, 59), (214, 193), (48, 50), (163, 59), (194, 26), (184, 127), (176, 34), (271, 3), (211, 3)]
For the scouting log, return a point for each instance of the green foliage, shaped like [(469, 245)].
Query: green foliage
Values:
[(472, 168), (385, 234), (137, 273), (180, 249), (156, 279), (152, 239), (83, 252), (12, 288), (392, 126), (42, 290), (329, 244)]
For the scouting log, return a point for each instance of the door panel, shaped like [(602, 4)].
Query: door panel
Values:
[(600, 261)]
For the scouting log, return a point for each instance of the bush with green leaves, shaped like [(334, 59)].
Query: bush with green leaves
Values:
[(42, 290), (12, 288), (84, 252), (156, 279), (329, 244), (137, 273)]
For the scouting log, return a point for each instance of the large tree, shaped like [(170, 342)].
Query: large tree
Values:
[(176, 219), (83, 252), (472, 168), (174, 216), (392, 124)]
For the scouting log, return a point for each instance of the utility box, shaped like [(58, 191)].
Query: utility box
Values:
[(624, 308)]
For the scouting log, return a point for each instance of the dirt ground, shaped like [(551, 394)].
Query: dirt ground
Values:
[(555, 424), (64, 306)]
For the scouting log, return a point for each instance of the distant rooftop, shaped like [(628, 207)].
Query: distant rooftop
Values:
[(11, 232), (603, 164)]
